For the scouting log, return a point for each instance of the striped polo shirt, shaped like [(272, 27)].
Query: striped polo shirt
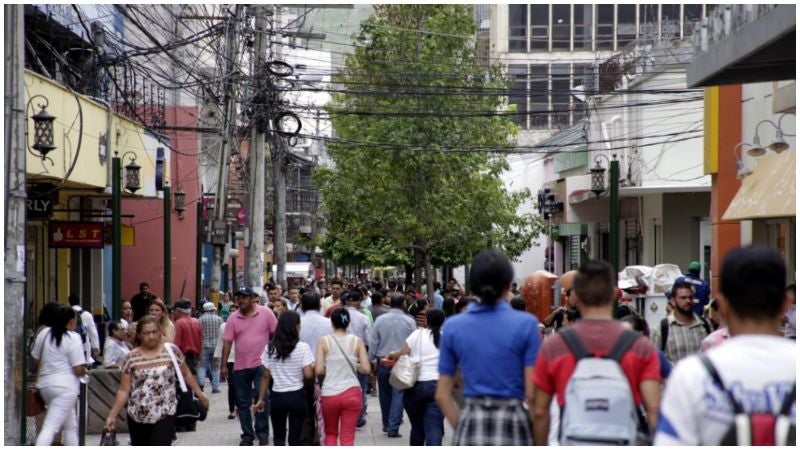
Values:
[(287, 374)]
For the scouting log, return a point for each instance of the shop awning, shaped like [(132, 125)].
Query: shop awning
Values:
[(769, 192)]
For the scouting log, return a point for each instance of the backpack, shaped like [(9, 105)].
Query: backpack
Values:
[(762, 428), (665, 331), (81, 327), (599, 407)]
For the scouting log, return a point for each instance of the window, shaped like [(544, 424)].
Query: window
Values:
[(670, 21), (583, 27), (648, 18), (605, 27), (626, 25), (517, 25), (560, 95), (540, 33), (539, 95), (519, 94), (692, 14), (562, 18), (582, 74)]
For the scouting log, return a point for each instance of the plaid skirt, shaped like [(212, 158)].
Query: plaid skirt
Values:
[(492, 421)]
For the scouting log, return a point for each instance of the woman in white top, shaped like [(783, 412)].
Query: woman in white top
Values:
[(338, 355), (422, 346), (289, 363), (115, 349), (231, 358), (58, 355)]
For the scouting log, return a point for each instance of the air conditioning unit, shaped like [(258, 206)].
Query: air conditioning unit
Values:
[(305, 229)]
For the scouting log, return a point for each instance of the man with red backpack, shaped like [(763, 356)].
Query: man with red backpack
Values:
[(606, 379), (743, 391)]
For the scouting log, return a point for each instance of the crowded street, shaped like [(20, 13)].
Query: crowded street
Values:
[(367, 224)]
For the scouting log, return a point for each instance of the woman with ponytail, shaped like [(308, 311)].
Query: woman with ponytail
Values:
[(422, 346), (495, 348), (58, 355)]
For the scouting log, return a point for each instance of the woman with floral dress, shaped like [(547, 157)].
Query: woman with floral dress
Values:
[(147, 385)]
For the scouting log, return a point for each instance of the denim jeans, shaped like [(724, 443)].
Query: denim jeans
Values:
[(207, 366), (427, 420), (391, 401), (283, 406), (247, 382), (364, 381)]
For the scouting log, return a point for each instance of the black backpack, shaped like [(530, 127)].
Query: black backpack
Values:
[(81, 327), (665, 331), (763, 428)]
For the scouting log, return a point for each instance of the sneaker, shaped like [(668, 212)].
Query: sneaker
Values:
[(373, 393), (245, 442), (361, 422), (394, 435), (215, 391)]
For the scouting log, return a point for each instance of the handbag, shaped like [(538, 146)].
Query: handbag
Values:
[(189, 406), (108, 438), (406, 371), (34, 403)]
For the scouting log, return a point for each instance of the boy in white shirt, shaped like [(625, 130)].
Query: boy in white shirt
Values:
[(755, 367)]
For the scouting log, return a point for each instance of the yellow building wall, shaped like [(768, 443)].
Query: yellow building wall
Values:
[(80, 122)]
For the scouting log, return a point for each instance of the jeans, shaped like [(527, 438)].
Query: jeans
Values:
[(309, 434), (207, 366), (281, 406), (345, 407), (363, 379), (231, 391), (159, 433), (391, 400), (60, 415), (247, 382), (427, 420)]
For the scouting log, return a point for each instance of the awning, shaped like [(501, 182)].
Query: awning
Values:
[(769, 192)]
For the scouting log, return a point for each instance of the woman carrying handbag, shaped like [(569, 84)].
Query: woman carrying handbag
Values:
[(337, 356), (422, 347), (147, 386), (58, 355)]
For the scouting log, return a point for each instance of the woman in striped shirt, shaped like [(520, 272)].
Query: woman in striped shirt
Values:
[(288, 361)]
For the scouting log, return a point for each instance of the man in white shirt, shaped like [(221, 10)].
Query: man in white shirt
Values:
[(337, 287), (92, 344), (755, 367)]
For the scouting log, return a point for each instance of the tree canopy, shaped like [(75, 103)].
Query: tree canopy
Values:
[(401, 190)]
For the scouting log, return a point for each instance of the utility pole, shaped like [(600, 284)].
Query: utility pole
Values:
[(279, 178), (254, 270), (14, 323), (613, 220), (231, 47)]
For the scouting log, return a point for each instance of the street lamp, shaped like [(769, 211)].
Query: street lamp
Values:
[(743, 171), (43, 140), (132, 184), (598, 188), (777, 145)]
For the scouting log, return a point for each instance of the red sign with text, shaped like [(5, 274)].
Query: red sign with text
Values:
[(76, 235)]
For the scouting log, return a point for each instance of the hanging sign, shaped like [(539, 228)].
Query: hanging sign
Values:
[(76, 235)]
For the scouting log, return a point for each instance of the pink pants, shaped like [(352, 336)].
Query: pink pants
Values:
[(345, 407)]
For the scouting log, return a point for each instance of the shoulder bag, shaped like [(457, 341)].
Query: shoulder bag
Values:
[(344, 354), (34, 403), (406, 371), (189, 406)]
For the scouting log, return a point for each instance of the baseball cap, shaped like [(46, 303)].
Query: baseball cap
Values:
[(208, 307), (245, 292), (183, 304), (694, 266)]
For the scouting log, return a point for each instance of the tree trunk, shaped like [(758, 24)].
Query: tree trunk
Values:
[(429, 276), (418, 263), (409, 276)]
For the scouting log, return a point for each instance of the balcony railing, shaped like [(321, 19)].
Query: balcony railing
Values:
[(726, 20)]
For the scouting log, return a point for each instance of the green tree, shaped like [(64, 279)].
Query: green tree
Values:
[(407, 185)]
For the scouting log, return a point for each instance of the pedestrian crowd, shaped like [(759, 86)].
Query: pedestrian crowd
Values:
[(715, 371)]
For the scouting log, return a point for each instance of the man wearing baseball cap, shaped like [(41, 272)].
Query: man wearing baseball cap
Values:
[(250, 329), (701, 288), (210, 323)]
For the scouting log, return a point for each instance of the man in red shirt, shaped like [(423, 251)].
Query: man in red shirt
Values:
[(594, 286), (188, 333)]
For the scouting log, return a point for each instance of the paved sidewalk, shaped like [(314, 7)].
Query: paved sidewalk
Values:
[(218, 430)]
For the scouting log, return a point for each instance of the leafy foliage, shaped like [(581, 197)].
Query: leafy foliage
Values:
[(385, 203)]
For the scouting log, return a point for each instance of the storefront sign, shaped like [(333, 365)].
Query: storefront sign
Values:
[(76, 235), (39, 203)]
